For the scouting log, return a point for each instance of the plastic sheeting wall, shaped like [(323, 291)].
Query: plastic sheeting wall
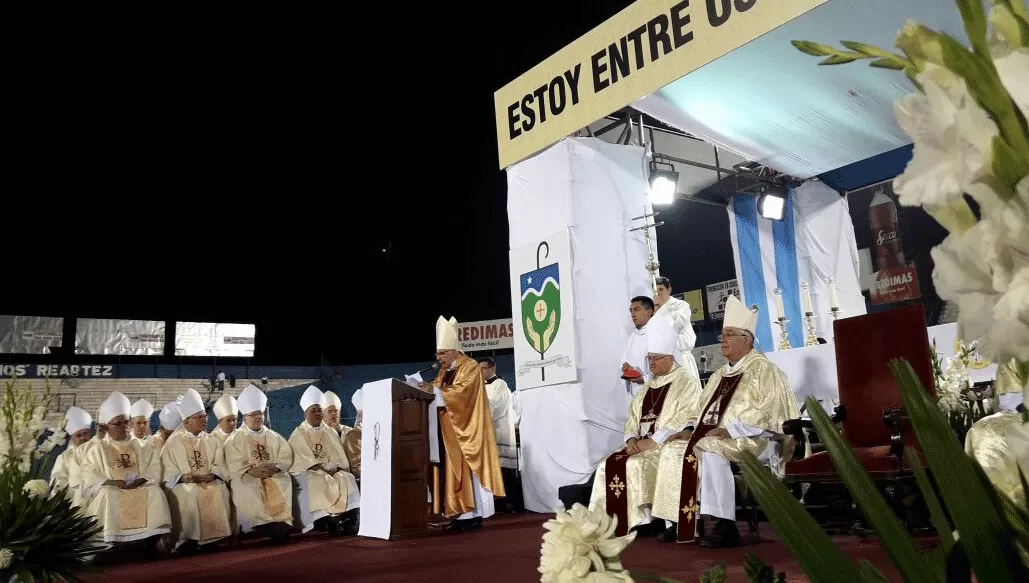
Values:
[(121, 337), (813, 242), (594, 189), (30, 334)]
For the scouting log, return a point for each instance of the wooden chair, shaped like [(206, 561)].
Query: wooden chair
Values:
[(871, 414)]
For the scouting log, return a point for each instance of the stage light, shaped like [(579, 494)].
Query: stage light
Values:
[(771, 202), (663, 183)]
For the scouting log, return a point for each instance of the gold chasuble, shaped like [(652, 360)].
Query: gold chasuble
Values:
[(125, 514), (352, 447), (624, 483), (321, 446), (260, 501), (469, 443), (202, 511), (754, 393)]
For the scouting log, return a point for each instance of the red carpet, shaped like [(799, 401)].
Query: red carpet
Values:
[(506, 550)]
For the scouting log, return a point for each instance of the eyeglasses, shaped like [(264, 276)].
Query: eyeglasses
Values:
[(732, 335), (657, 357)]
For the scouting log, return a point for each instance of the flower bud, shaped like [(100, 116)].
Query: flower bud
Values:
[(1010, 28), (921, 42)]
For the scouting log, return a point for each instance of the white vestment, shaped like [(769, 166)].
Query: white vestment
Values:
[(203, 511), (65, 474), (681, 314), (260, 501), (320, 494), (636, 356), (221, 435), (499, 396)]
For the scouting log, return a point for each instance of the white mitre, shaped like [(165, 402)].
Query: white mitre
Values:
[(331, 400), (77, 420), (115, 405), (446, 334), (141, 408), (225, 407), (192, 403), (252, 400), (311, 397), (738, 316), (662, 336), (170, 417), (357, 400)]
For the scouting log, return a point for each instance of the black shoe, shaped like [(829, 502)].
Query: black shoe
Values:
[(724, 535), (653, 528), (334, 525), (350, 522), (670, 534), (278, 532), (464, 524)]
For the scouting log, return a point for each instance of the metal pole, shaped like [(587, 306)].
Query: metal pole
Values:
[(707, 167)]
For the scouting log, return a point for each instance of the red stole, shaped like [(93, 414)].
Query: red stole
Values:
[(690, 502), (614, 467)]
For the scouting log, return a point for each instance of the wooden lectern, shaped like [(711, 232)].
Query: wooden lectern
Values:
[(410, 463)]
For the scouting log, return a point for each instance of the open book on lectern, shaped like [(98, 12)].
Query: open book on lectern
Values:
[(377, 453)]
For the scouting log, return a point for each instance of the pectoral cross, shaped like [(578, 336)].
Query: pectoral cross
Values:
[(617, 486), (649, 222)]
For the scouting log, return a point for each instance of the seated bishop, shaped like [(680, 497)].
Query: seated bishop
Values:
[(331, 413), (226, 411), (326, 491), (170, 421), (120, 481), (259, 461), (65, 473), (195, 476), (625, 480), (140, 415), (352, 438), (742, 409)]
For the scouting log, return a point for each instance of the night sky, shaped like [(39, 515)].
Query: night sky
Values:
[(331, 178)]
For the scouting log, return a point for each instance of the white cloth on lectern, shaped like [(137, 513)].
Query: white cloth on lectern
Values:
[(717, 484), (484, 506), (308, 518), (377, 462)]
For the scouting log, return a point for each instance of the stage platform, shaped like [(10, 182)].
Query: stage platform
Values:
[(506, 550)]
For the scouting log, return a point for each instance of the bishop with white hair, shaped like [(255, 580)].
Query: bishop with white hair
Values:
[(120, 480), (327, 490)]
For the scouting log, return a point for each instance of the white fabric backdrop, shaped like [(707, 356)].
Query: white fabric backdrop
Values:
[(593, 188)]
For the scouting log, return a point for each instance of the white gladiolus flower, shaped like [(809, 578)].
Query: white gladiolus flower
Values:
[(580, 547), (1013, 69), (1008, 335), (952, 137), (6, 557), (37, 488)]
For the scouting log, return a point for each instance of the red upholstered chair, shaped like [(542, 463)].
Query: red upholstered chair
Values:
[(871, 410)]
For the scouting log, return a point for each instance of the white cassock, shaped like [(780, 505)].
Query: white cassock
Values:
[(681, 314), (65, 474), (636, 356), (124, 515), (320, 494), (202, 512), (260, 501), (499, 395)]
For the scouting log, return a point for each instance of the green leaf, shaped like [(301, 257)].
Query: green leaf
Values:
[(893, 536), (869, 574), (912, 75), (865, 49), (820, 558), (983, 533), (1008, 166), (813, 49), (936, 514), (888, 64), (840, 59), (974, 16)]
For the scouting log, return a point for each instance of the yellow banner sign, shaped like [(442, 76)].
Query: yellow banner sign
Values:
[(695, 299), (634, 53)]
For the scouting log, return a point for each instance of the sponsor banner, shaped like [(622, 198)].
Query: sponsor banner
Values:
[(214, 339), (695, 299), (486, 335), (896, 284), (58, 371), (634, 53), (718, 294), (119, 337), (30, 334)]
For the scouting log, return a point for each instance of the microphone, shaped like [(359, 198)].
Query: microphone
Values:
[(433, 366)]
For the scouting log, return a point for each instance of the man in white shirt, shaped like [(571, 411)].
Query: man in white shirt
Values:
[(635, 371), (681, 313)]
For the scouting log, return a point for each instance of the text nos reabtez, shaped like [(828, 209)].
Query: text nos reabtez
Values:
[(632, 52)]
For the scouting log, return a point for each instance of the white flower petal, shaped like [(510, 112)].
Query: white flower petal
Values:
[(1013, 70)]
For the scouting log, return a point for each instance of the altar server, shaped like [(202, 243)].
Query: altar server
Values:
[(742, 409), (635, 370), (259, 460), (65, 473), (625, 480), (333, 408), (195, 474), (140, 415), (225, 410), (473, 475), (120, 477), (327, 491), (681, 313), (499, 396)]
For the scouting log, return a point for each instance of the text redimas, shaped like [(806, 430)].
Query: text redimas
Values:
[(632, 52), (485, 332)]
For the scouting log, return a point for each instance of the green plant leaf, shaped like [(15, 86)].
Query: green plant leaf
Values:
[(1008, 166), (888, 64), (840, 59), (869, 574), (821, 560), (813, 49), (912, 75), (974, 16), (865, 49), (893, 537), (983, 532), (936, 514)]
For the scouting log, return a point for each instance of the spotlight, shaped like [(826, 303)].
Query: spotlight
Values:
[(663, 183), (771, 202)]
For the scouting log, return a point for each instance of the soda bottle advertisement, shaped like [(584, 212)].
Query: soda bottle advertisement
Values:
[(895, 278)]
